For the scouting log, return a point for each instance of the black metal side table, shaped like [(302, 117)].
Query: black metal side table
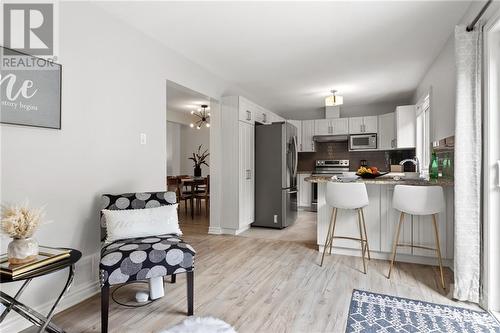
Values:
[(12, 303)]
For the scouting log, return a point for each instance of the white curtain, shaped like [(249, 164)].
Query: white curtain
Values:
[(468, 164)]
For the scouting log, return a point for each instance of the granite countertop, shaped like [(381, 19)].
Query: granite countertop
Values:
[(386, 180)]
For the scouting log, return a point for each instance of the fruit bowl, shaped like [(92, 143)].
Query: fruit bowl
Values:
[(369, 172), (368, 175)]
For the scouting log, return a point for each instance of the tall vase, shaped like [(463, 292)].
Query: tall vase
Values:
[(22, 250), (197, 171)]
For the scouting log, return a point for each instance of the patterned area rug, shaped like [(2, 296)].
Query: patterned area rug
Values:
[(370, 312)]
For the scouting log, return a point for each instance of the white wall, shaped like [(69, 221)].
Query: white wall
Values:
[(190, 140), (114, 87), (173, 148), (441, 78)]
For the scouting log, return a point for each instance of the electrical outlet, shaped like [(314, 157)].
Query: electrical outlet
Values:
[(143, 138)]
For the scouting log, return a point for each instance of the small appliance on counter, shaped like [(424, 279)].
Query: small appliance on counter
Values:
[(326, 168)]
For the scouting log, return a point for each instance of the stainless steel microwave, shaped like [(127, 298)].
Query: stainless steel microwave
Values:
[(363, 141)]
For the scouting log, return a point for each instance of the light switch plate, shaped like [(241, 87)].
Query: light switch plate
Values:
[(143, 138)]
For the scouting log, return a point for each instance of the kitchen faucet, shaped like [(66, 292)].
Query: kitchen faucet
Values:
[(412, 160)]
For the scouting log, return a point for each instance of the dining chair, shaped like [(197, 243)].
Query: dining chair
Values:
[(204, 195), (184, 195)]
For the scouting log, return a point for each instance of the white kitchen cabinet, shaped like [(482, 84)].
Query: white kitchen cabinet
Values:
[(340, 126), (389, 219), (322, 127), (386, 131), (238, 148), (355, 125), (370, 124), (246, 110), (334, 126), (405, 126), (307, 136), (305, 190), (246, 173), (261, 115), (360, 125), (275, 118), (382, 222), (347, 221)]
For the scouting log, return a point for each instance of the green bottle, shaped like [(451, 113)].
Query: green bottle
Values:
[(434, 167)]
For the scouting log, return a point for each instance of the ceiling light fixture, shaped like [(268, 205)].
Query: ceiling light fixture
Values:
[(204, 116), (334, 99)]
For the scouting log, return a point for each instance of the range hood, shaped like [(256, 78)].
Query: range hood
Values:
[(330, 138)]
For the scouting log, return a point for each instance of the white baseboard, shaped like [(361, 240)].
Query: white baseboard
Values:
[(387, 256), (17, 323), (214, 230), (86, 269)]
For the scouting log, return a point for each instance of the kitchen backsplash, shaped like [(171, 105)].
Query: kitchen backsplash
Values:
[(339, 151)]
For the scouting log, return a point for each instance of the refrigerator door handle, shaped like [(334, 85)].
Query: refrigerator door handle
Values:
[(296, 157)]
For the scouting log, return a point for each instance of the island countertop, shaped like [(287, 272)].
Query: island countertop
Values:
[(386, 180)]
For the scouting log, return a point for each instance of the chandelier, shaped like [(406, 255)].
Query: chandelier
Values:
[(203, 115)]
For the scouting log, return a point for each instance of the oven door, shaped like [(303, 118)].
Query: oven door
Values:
[(363, 142)]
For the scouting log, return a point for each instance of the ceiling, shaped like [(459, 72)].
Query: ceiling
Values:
[(288, 55), (182, 99)]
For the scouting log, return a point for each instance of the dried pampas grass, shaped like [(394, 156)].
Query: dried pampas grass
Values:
[(21, 221)]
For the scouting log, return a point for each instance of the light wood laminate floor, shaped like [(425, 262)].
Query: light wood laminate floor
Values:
[(262, 285)]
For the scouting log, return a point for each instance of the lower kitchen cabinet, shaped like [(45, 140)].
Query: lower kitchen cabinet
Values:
[(305, 190), (382, 222)]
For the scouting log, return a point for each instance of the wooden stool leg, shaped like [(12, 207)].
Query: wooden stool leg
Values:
[(366, 235), (395, 245), (328, 236), (361, 239), (333, 231), (438, 250)]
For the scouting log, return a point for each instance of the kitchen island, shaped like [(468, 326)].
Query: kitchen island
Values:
[(382, 219)]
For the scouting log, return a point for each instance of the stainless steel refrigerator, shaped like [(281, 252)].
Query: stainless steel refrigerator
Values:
[(276, 158)]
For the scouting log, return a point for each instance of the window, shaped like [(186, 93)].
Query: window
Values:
[(423, 144)]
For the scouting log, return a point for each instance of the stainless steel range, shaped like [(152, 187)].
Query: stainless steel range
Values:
[(326, 168)]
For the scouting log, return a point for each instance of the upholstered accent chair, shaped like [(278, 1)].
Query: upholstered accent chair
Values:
[(128, 260)]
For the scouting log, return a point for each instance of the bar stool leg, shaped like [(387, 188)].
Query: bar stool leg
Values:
[(333, 231), (329, 235), (438, 250), (361, 241), (366, 235), (394, 246)]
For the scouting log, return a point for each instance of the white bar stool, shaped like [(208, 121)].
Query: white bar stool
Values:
[(347, 196), (418, 200)]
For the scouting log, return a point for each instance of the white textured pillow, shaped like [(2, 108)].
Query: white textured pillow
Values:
[(131, 223)]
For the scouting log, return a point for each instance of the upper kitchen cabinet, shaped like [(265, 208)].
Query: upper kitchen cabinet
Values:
[(405, 126), (262, 115), (322, 127), (386, 131), (307, 142), (247, 110), (274, 118), (359, 125), (340, 126), (333, 126)]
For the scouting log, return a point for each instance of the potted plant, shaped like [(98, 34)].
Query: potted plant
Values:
[(20, 223), (199, 158)]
